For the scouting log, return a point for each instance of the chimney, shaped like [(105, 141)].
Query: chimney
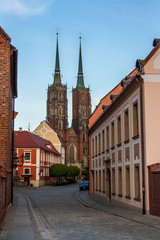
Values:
[(20, 129)]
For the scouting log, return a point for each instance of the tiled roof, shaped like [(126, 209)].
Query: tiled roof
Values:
[(26, 139), (107, 101)]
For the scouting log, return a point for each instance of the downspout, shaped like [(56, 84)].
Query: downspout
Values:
[(142, 148), (13, 104)]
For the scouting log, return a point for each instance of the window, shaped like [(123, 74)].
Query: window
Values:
[(96, 180), (135, 120), (126, 124), (26, 170), (27, 156), (112, 131), (84, 137), (60, 124), (99, 140), (83, 96), (93, 147), (100, 181), (119, 129), (60, 97), (96, 145), (83, 126), (113, 180), (71, 153), (127, 181), (107, 137), (60, 111), (120, 181), (137, 182), (103, 142), (104, 181), (84, 150)]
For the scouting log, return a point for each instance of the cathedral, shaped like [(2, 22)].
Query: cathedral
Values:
[(76, 137)]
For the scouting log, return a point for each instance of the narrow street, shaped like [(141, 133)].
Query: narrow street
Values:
[(56, 213)]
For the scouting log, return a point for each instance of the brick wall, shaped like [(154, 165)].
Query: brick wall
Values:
[(6, 113)]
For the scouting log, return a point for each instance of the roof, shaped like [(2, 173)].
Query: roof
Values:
[(27, 139), (4, 34), (98, 112)]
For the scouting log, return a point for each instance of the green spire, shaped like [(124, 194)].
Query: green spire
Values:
[(80, 80), (57, 76)]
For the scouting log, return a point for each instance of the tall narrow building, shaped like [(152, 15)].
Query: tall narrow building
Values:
[(57, 103)]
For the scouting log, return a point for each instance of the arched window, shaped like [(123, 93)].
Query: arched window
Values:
[(83, 126), (84, 137), (60, 96), (84, 149), (60, 111), (60, 124), (72, 153)]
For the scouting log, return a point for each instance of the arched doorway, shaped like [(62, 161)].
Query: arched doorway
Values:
[(108, 185)]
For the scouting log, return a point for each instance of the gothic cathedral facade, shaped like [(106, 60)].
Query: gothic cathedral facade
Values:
[(76, 137)]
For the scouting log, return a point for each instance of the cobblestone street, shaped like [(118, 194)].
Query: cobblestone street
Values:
[(57, 214)]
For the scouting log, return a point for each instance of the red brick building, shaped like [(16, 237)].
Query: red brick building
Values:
[(75, 137), (35, 156), (8, 92)]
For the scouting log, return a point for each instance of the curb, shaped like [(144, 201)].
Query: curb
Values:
[(113, 213)]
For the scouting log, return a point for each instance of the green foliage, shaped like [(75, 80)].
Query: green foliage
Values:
[(73, 171), (58, 170), (85, 172)]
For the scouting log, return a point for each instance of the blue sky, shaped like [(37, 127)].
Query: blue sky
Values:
[(115, 33)]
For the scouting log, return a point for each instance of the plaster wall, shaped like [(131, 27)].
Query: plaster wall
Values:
[(99, 164)]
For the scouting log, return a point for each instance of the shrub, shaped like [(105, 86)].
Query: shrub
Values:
[(73, 171), (58, 170)]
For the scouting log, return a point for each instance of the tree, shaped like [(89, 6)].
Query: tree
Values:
[(85, 173), (73, 171), (58, 170)]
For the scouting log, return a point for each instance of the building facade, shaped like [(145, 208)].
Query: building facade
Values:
[(8, 92), (75, 137), (35, 156), (124, 138), (46, 131)]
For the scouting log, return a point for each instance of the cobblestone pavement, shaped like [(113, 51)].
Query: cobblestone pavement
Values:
[(64, 217)]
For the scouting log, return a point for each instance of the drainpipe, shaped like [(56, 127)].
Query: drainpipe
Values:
[(142, 151), (12, 150)]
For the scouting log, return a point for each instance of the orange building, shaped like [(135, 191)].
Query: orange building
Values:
[(35, 156)]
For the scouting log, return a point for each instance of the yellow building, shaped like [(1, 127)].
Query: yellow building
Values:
[(45, 131)]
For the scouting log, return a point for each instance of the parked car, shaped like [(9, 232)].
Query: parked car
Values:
[(83, 185)]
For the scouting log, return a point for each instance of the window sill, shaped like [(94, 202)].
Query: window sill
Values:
[(112, 148), (120, 195), (135, 137), (107, 150), (103, 191), (137, 199), (113, 194), (128, 197), (119, 145), (126, 141), (103, 152)]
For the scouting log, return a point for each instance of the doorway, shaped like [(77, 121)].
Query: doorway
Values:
[(27, 179), (108, 185)]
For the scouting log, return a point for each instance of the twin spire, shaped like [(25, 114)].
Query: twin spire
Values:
[(57, 75)]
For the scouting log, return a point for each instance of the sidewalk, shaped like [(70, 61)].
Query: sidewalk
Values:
[(17, 224), (117, 209)]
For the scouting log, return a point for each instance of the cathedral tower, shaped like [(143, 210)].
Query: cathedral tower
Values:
[(57, 103), (81, 113)]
